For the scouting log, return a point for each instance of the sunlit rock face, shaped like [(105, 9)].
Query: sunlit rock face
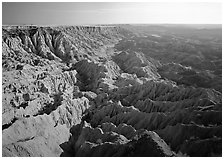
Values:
[(110, 91)]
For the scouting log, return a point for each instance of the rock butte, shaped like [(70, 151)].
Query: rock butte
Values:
[(103, 91)]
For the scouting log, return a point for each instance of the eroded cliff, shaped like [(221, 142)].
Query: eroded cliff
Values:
[(69, 91)]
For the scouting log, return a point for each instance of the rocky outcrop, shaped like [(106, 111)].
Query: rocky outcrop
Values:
[(27, 91), (43, 133), (43, 102), (111, 141)]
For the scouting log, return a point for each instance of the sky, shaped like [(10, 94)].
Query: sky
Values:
[(81, 13)]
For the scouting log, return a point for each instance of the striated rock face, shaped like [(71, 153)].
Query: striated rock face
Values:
[(104, 91), (136, 63), (67, 44), (97, 75)]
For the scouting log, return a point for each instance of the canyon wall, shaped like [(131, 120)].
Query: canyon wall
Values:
[(75, 91)]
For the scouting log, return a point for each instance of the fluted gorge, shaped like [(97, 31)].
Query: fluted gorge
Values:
[(82, 91)]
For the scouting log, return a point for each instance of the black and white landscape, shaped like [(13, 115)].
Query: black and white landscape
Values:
[(122, 90)]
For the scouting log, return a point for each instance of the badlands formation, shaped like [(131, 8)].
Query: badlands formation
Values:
[(111, 91)]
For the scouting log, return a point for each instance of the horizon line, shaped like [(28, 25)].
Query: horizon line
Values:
[(114, 24)]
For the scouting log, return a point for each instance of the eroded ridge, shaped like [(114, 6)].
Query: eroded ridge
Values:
[(97, 91)]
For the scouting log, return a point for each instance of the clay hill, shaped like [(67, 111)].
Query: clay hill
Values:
[(122, 90)]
